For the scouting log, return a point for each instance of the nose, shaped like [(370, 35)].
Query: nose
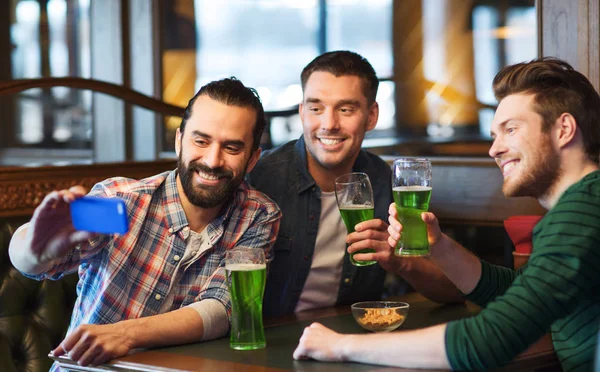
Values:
[(498, 147), (330, 121), (213, 157)]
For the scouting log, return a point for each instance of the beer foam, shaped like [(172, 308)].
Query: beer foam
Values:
[(356, 207), (245, 267), (412, 188)]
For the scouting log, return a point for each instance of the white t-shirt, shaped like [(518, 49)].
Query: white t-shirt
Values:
[(323, 281)]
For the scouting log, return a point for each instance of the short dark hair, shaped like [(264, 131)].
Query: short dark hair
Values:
[(344, 63), (557, 88), (232, 92)]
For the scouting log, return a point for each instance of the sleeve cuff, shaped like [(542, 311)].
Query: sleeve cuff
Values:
[(214, 318)]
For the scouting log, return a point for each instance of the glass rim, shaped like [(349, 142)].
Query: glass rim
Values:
[(412, 160), (363, 176)]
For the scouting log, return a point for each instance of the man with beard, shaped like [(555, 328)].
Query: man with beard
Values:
[(163, 282), (312, 267), (546, 135)]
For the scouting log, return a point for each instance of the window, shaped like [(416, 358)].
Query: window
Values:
[(266, 43), (50, 38)]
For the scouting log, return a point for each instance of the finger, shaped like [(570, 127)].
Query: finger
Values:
[(90, 354), (316, 325), (299, 353), (59, 351), (78, 237), (375, 224), (429, 218), (367, 235), (393, 241), (392, 210), (379, 245), (73, 193), (78, 190), (394, 231)]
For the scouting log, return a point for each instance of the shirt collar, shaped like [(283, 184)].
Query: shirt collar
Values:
[(305, 181), (172, 203)]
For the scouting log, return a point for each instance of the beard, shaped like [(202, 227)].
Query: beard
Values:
[(204, 196), (541, 175)]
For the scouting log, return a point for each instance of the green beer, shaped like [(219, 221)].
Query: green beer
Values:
[(411, 201), (246, 287), (353, 215)]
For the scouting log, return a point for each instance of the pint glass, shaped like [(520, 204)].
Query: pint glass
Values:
[(246, 276), (354, 197), (411, 182)]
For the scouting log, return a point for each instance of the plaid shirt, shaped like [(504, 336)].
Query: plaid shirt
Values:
[(128, 276)]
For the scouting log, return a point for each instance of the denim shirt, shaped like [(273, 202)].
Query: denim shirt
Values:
[(283, 175)]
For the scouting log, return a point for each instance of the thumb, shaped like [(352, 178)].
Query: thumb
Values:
[(433, 226)]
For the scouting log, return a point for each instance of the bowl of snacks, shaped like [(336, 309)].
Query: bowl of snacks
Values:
[(380, 316)]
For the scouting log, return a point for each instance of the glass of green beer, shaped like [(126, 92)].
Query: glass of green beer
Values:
[(246, 276), (411, 182), (354, 197)]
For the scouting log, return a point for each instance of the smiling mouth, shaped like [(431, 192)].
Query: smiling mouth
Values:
[(330, 141), (208, 178), (506, 168)]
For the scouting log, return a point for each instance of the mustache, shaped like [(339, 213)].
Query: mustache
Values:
[(216, 172)]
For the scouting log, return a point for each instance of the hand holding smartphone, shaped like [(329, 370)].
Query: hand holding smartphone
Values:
[(99, 215)]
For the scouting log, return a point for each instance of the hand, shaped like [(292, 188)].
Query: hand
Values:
[(51, 233), (373, 234), (320, 343), (92, 344), (434, 234)]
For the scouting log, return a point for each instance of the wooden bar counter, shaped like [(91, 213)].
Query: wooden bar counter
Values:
[(282, 336)]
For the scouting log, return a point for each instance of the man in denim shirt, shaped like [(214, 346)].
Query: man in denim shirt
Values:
[(311, 268)]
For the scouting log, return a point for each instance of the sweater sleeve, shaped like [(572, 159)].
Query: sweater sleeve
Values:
[(558, 281)]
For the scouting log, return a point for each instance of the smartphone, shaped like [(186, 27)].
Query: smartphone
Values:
[(100, 215)]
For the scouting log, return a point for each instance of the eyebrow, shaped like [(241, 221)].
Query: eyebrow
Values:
[(500, 126), (343, 102), (239, 143)]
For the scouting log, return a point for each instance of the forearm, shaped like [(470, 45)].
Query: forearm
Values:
[(459, 265), (22, 256), (423, 348), (429, 280), (179, 326)]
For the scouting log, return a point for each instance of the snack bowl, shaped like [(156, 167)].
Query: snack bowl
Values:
[(380, 316)]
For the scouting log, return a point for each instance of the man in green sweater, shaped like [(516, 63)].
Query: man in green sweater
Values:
[(546, 134)]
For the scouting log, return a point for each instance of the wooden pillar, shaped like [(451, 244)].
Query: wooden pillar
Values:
[(407, 44), (570, 30), (7, 106)]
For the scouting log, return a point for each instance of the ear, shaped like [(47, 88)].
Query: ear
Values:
[(566, 129), (373, 116), (178, 136), (253, 159), (300, 109)]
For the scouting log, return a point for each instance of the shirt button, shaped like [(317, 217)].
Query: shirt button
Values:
[(158, 297), (186, 229), (176, 257), (170, 230), (347, 280)]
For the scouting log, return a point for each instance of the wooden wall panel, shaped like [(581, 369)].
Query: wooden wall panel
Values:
[(570, 30), (22, 188)]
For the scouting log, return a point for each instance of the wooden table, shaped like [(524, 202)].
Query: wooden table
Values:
[(282, 336)]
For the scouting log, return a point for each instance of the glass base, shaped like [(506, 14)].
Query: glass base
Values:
[(412, 252), (247, 346), (363, 263)]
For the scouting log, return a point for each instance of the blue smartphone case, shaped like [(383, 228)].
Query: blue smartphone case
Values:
[(99, 215)]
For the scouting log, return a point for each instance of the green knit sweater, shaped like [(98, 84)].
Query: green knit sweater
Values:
[(558, 290)]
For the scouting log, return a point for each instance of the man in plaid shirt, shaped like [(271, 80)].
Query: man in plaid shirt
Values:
[(163, 282)]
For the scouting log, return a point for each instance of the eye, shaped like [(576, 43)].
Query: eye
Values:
[(511, 130), (347, 110), (201, 142), (314, 109), (233, 149)]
